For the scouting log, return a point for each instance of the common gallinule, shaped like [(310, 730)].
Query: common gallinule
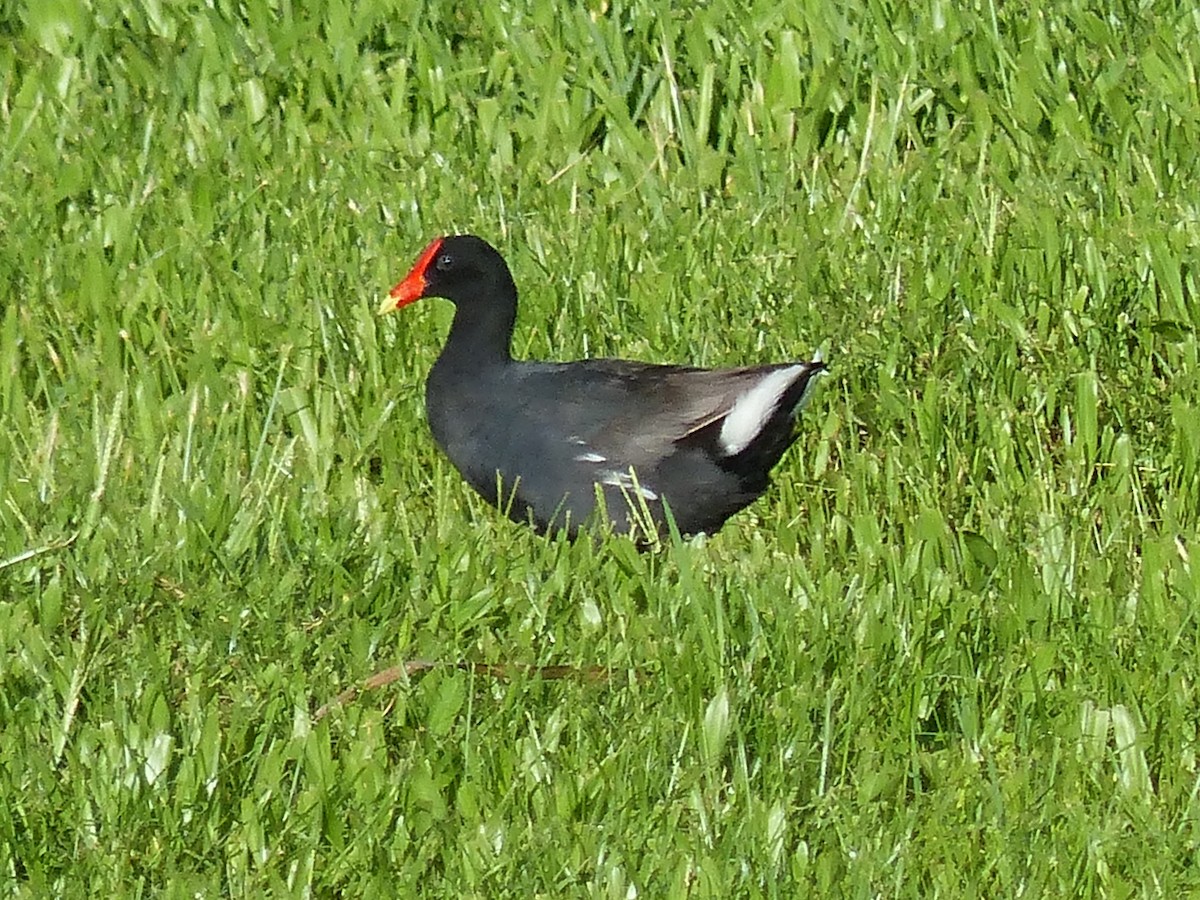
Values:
[(545, 441)]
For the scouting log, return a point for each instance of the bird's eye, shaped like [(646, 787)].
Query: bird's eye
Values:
[(444, 262)]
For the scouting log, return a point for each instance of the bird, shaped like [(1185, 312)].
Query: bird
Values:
[(564, 446)]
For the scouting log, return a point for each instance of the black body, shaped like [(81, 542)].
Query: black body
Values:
[(537, 439)]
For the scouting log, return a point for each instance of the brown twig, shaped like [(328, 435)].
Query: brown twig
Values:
[(416, 667)]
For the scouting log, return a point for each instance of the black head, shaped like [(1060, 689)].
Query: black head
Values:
[(460, 268)]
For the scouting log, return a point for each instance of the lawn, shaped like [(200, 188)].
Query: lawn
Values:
[(952, 653)]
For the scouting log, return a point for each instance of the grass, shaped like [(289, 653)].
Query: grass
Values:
[(952, 653)]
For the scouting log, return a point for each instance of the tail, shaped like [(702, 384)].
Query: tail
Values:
[(762, 424)]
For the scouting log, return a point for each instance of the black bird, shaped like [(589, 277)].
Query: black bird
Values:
[(547, 441)]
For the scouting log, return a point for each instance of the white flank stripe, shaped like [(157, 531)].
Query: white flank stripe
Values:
[(590, 457), (625, 480), (752, 410)]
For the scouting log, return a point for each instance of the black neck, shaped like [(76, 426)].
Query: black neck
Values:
[(483, 324)]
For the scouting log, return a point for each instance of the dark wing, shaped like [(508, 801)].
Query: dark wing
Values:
[(636, 414)]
